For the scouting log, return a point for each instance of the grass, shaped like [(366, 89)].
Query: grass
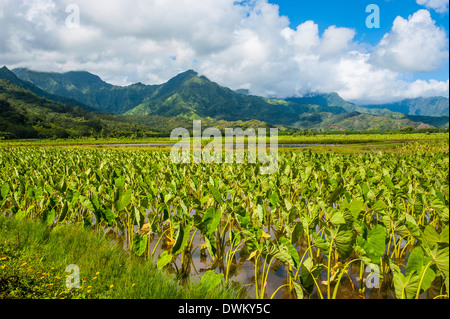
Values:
[(33, 261)]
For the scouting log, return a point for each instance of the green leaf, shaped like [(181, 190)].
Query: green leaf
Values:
[(211, 279), (405, 286), (122, 199), (139, 244), (216, 194), (344, 242), (212, 219), (4, 191), (164, 259), (109, 216), (293, 254), (356, 207), (309, 273), (296, 233), (417, 263), (376, 239), (181, 238), (337, 218)]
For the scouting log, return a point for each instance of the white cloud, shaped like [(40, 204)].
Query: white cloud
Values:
[(440, 6), (247, 45), (413, 45)]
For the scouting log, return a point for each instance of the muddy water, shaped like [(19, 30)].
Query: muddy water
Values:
[(242, 272)]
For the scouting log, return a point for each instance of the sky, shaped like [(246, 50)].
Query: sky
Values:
[(273, 48)]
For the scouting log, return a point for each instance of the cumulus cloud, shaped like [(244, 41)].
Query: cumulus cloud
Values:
[(245, 44), (413, 45), (440, 6)]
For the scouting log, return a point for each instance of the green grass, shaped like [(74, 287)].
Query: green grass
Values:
[(33, 263)]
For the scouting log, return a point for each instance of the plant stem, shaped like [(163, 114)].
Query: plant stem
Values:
[(421, 279), (329, 270)]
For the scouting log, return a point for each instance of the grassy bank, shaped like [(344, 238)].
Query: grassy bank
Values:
[(33, 263)]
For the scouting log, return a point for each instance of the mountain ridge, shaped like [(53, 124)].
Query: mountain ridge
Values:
[(192, 96)]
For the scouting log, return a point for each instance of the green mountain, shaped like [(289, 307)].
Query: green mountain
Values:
[(23, 114), (190, 96), (193, 96), (432, 106), (89, 89), (6, 74), (355, 121)]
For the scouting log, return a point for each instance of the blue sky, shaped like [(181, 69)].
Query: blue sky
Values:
[(273, 48), (352, 14)]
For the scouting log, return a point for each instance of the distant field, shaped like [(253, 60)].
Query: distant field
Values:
[(282, 139)]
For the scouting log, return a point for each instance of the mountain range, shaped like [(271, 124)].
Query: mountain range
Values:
[(192, 96)]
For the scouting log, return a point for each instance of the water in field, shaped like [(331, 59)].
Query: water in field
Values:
[(242, 271)]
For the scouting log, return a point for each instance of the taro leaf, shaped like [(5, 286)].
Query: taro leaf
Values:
[(4, 191), (356, 207), (436, 246), (216, 194), (308, 273), (380, 206), (361, 228), (405, 286), (211, 280), (389, 183), (373, 246), (211, 220), (321, 243), (274, 199), (48, 216), (417, 263), (181, 238), (287, 204), (164, 259), (440, 208), (432, 237), (122, 199), (337, 218), (261, 213), (211, 246), (296, 233), (109, 216), (293, 254), (344, 242), (86, 202), (139, 217), (440, 255), (298, 289), (335, 195), (64, 211), (21, 214), (139, 244)]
